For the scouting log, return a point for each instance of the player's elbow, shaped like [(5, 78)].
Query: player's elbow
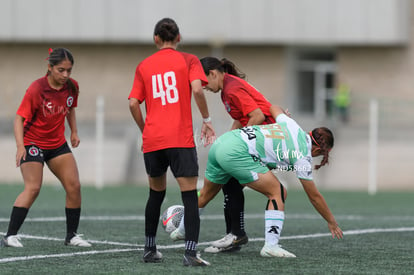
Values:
[(198, 92), (261, 118), (133, 103), (256, 117)]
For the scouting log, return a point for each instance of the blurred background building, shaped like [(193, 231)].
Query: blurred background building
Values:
[(296, 52)]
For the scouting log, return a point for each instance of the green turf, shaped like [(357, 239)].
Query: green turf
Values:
[(360, 252)]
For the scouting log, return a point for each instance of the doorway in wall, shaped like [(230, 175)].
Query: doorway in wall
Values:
[(314, 77)]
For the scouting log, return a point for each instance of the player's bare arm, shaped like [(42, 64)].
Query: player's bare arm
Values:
[(321, 206), (236, 125), (207, 130), (256, 117), (74, 138), (18, 134), (134, 107), (276, 110)]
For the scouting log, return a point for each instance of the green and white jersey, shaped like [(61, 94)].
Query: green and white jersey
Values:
[(282, 146)]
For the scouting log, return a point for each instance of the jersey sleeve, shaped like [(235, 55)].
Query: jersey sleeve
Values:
[(196, 71), (75, 100), (291, 123), (283, 118), (138, 86), (29, 104), (244, 102), (303, 168), (75, 94)]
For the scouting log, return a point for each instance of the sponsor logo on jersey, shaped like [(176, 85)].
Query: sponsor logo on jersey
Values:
[(69, 101)]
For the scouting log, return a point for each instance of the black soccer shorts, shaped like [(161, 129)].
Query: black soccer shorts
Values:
[(34, 153)]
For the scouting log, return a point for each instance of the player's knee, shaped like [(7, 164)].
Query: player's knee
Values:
[(73, 190), (32, 191), (72, 186)]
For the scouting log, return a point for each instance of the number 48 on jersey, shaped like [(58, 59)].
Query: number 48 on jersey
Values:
[(164, 86)]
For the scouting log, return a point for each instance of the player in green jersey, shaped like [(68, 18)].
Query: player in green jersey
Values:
[(248, 154)]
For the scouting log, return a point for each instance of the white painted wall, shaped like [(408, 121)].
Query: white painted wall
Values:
[(333, 22)]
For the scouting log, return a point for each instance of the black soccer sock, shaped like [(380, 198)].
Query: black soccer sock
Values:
[(235, 205), (17, 217), (191, 220), (72, 222), (152, 215), (150, 242), (227, 203), (227, 216)]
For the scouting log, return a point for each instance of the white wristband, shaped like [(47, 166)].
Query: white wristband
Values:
[(206, 120)]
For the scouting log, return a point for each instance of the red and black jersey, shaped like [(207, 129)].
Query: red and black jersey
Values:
[(44, 109), (241, 98), (163, 81)]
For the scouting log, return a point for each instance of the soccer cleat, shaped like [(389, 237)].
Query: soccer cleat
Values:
[(230, 240), (176, 235), (11, 241), (275, 251), (190, 260), (152, 256), (77, 241), (213, 249)]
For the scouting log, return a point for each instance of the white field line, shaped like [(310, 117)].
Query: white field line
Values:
[(94, 252), (25, 236), (63, 255), (214, 217)]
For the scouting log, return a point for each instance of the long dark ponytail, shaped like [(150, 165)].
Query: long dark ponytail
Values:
[(224, 65)]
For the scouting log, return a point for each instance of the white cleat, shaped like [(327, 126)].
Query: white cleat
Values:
[(11, 241), (230, 241), (78, 241), (213, 249), (275, 251), (225, 241), (176, 235)]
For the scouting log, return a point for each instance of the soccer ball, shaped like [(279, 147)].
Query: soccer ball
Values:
[(171, 217)]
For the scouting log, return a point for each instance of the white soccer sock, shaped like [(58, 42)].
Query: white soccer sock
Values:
[(181, 228), (273, 226)]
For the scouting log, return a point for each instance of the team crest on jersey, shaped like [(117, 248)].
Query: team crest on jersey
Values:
[(34, 151), (69, 101)]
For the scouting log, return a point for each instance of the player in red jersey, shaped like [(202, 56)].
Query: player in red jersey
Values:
[(39, 129), (165, 81), (247, 106), (244, 103)]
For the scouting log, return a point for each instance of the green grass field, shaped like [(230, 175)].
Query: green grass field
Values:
[(379, 235)]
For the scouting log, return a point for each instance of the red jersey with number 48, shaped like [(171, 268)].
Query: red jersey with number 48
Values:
[(45, 110), (163, 81), (241, 98)]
